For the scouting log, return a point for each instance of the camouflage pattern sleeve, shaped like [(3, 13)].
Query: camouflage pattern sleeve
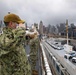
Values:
[(13, 59)]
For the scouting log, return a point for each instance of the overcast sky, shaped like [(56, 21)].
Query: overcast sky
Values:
[(32, 11)]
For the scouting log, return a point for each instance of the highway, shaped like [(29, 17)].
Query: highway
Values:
[(65, 64)]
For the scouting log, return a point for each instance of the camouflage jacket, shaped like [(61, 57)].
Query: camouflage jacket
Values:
[(13, 60)]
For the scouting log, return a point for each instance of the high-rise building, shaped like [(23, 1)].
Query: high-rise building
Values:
[(36, 25), (44, 29), (41, 28)]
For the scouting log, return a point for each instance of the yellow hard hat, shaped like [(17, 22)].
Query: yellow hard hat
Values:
[(13, 17)]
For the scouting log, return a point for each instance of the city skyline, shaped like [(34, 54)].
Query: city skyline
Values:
[(33, 11)]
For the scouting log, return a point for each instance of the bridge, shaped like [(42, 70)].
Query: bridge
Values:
[(55, 61)]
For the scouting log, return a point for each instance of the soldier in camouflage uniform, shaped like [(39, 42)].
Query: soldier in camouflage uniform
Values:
[(13, 60)]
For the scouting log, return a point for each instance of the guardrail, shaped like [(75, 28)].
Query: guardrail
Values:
[(47, 68)]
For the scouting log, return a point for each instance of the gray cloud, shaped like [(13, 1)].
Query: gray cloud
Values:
[(49, 11)]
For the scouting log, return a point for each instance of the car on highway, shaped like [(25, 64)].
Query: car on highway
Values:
[(60, 47), (70, 55), (74, 59)]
